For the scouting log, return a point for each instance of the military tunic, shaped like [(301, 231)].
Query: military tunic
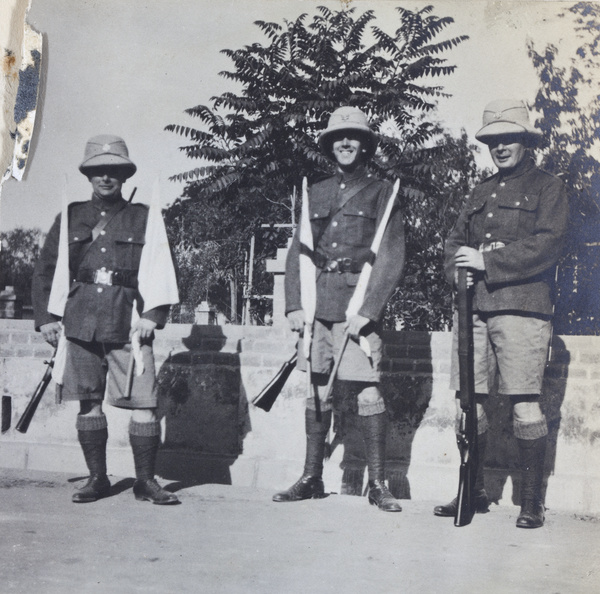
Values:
[(96, 312), (344, 215), (519, 221)]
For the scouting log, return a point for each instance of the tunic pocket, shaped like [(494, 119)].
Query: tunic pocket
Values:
[(359, 226), (77, 240), (128, 250), (519, 213)]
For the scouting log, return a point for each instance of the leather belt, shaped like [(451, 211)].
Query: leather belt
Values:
[(122, 278), (494, 245), (338, 265)]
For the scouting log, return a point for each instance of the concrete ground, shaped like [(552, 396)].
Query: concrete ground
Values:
[(225, 539)]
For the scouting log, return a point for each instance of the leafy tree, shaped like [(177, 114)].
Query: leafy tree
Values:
[(569, 100), (424, 299), (20, 250), (254, 146)]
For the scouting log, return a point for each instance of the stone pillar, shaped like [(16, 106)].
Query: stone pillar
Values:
[(204, 314), (277, 267), (11, 306)]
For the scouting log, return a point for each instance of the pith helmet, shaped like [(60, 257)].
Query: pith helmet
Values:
[(348, 118), (506, 116), (107, 149)]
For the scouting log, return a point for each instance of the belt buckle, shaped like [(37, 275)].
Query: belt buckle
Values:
[(489, 247), (345, 264), (103, 277)]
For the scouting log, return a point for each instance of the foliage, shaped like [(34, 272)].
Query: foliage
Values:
[(424, 299), (20, 250), (254, 146), (569, 100)]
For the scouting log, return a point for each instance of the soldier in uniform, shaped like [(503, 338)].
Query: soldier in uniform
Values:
[(106, 236), (345, 211), (517, 222)]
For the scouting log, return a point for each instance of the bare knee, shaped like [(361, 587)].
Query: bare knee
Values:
[(92, 408), (144, 415), (527, 412)]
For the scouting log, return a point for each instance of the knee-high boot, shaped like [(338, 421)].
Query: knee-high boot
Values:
[(310, 484), (532, 453), (145, 440), (373, 429), (92, 433), (481, 502)]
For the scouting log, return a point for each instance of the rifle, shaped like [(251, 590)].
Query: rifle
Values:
[(32, 405), (467, 435), (269, 393)]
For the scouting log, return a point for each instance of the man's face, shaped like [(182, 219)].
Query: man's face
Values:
[(107, 182), (507, 150), (348, 148)]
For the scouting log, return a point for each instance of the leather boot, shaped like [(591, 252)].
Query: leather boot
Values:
[(449, 510), (381, 496), (97, 487), (93, 445), (150, 490), (373, 428), (310, 484), (145, 440), (481, 502), (532, 453)]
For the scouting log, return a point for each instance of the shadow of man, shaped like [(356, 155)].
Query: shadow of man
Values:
[(502, 456), (407, 396), (203, 402)]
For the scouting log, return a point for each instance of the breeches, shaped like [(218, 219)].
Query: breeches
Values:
[(98, 371), (514, 346)]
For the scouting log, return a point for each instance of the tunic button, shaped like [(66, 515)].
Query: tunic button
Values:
[(103, 213), (490, 214), (335, 223), (76, 238), (130, 239), (517, 203), (334, 244), (488, 235), (99, 289), (103, 232), (343, 186), (502, 184), (360, 212), (102, 250), (494, 195)]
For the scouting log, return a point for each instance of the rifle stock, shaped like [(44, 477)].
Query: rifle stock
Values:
[(271, 391), (34, 401), (467, 435)]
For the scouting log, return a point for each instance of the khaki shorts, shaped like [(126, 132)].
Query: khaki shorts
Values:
[(355, 365), (98, 371), (513, 346)]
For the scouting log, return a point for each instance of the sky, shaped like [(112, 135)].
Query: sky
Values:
[(130, 68)]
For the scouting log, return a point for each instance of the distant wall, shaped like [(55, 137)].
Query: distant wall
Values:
[(208, 375)]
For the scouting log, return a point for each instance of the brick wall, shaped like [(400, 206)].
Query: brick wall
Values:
[(211, 433)]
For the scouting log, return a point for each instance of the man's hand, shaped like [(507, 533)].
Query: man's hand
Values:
[(471, 258), (296, 320), (467, 257), (145, 328), (51, 332), (354, 324)]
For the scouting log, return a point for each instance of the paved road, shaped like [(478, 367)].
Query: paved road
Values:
[(225, 539)]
